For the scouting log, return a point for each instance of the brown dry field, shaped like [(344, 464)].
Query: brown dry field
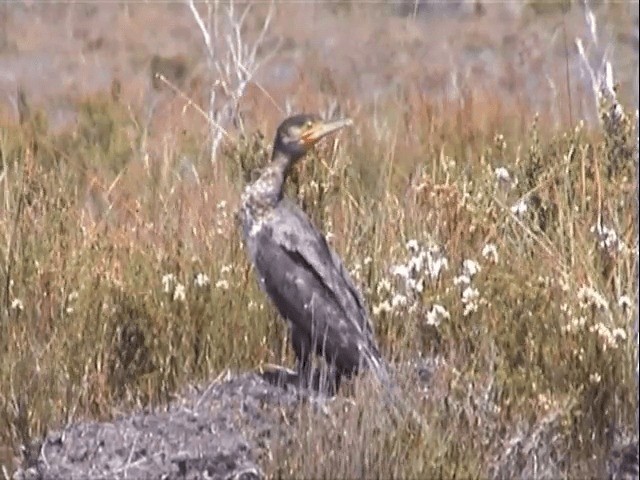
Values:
[(514, 54)]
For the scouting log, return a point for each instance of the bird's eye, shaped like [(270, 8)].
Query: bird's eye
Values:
[(308, 124)]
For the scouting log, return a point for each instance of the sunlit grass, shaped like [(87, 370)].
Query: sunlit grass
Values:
[(507, 255)]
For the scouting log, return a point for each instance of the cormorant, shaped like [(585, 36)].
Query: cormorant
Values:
[(299, 271)]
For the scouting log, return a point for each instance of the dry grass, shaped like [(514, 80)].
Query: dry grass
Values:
[(125, 279)]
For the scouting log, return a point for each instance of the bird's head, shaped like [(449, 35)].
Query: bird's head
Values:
[(296, 135)]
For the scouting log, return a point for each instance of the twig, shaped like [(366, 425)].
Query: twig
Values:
[(191, 103), (567, 73), (203, 29), (235, 68), (128, 464), (536, 239), (14, 233)]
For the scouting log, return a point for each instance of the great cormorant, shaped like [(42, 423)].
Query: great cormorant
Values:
[(299, 271)]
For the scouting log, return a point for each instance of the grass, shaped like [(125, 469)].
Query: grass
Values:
[(124, 279)]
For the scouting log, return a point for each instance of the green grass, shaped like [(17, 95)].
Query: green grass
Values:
[(529, 368)]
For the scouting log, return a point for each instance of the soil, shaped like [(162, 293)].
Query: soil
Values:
[(222, 431), (199, 436)]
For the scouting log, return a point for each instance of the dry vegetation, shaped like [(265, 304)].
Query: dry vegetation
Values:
[(502, 250)]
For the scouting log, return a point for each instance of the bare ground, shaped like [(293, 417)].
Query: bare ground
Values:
[(202, 435), (221, 431)]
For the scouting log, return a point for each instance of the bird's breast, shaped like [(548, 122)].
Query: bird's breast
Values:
[(257, 207)]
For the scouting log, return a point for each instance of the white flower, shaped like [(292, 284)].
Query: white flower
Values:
[(179, 294), (470, 294), (470, 268), (619, 333), (625, 302), (168, 281), (16, 304), (545, 281), (367, 261), (412, 246), (416, 286), (384, 285), (222, 285), (590, 297), (355, 272), (470, 300), (595, 378), (399, 301), (461, 280), (383, 307), (490, 251), (255, 306), (400, 271), (609, 338), (415, 263), (502, 174), (469, 308), (436, 262), (520, 208), (202, 280), (608, 239), (72, 297), (225, 269), (577, 323), (437, 314)]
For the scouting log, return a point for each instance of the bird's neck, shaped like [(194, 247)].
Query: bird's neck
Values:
[(276, 173), (268, 189), (280, 167)]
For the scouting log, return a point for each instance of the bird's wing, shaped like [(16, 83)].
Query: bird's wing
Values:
[(294, 231), (311, 288)]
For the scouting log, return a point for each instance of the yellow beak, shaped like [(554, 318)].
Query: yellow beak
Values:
[(322, 129)]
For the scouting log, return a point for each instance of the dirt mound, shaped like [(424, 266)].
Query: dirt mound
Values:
[(223, 431), (198, 436)]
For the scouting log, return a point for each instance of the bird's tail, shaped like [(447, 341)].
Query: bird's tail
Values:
[(393, 395)]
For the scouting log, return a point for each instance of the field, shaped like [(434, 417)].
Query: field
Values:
[(488, 215)]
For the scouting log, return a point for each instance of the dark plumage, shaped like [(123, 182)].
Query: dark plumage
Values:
[(300, 273)]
